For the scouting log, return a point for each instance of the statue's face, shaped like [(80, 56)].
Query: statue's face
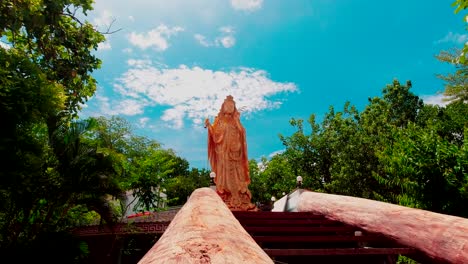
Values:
[(229, 107)]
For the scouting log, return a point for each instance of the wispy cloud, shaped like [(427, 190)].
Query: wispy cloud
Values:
[(104, 45), (128, 107), (156, 38), (143, 121), (202, 40), (225, 39), (227, 30), (104, 20), (274, 153), (194, 93), (437, 99), (246, 5), (455, 38), (138, 63)]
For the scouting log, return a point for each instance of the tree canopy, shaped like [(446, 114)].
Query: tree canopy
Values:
[(396, 150), (57, 170)]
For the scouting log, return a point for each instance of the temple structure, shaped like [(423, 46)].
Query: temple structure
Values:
[(315, 228)]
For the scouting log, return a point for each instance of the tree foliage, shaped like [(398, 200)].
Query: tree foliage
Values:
[(271, 178), (456, 84), (180, 185), (147, 169), (459, 6), (45, 73), (396, 150), (50, 35), (428, 171)]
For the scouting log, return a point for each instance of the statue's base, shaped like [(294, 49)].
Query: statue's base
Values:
[(250, 208), (242, 203)]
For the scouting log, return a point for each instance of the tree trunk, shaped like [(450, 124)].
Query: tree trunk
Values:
[(443, 238)]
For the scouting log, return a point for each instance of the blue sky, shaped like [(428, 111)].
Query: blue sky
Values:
[(172, 63)]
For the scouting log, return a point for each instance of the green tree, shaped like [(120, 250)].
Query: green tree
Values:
[(71, 179), (271, 178), (427, 160), (456, 84), (45, 74), (459, 6), (148, 174), (339, 154), (182, 183), (309, 155), (258, 184), (353, 158), (430, 172), (397, 108), (147, 169), (144, 165), (50, 35), (87, 175)]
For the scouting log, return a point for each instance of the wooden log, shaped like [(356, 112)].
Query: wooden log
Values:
[(205, 231), (443, 238), (338, 251)]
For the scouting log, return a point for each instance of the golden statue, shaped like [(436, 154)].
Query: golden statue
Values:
[(227, 152)]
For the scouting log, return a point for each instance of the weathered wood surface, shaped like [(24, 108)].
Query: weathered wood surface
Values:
[(443, 238), (205, 231)]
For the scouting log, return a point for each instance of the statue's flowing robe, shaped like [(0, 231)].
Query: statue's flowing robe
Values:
[(227, 152)]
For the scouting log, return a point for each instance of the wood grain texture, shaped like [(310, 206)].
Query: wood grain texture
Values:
[(205, 231), (443, 238)]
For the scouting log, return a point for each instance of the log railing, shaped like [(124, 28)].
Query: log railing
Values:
[(443, 238), (205, 231)]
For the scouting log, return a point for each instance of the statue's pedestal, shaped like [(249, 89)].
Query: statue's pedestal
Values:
[(237, 203)]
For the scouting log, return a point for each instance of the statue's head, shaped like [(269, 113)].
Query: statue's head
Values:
[(229, 106)]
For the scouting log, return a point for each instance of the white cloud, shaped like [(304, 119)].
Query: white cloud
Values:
[(225, 39), (202, 40), (127, 50), (195, 93), (104, 19), (246, 5), (4, 45), (148, 12), (103, 22), (274, 153), (104, 45), (125, 107), (453, 38), (130, 107), (143, 121), (227, 30), (138, 63), (156, 38), (175, 116), (437, 99), (131, 18)]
